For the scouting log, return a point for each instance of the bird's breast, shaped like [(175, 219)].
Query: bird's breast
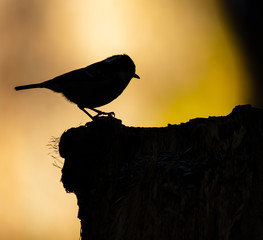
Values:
[(96, 93)]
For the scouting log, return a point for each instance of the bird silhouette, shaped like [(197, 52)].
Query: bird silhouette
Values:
[(93, 86)]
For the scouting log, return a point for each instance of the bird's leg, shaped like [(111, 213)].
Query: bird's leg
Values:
[(109, 114), (83, 109)]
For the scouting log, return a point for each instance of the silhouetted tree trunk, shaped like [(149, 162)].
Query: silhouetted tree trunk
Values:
[(199, 180)]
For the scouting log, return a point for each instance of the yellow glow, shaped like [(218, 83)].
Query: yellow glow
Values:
[(186, 57), (222, 85)]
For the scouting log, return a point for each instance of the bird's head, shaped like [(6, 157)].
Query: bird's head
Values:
[(124, 65)]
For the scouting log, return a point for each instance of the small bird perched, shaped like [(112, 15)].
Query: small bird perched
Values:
[(93, 86)]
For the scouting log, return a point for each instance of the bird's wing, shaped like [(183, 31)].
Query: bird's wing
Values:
[(100, 73)]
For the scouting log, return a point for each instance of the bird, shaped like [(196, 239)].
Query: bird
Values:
[(93, 86)]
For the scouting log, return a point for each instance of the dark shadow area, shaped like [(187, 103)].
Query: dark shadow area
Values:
[(198, 180), (246, 20)]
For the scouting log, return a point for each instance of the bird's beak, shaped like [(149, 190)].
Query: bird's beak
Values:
[(136, 76)]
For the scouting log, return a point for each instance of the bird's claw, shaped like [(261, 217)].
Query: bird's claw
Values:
[(108, 114), (111, 114)]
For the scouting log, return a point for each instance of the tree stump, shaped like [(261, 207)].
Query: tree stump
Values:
[(199, 180)]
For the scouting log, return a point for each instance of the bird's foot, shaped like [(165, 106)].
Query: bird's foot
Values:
[(108, 114), (111, 114), (99, 113)]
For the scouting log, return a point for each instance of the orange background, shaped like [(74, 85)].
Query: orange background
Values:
[(186, 55)]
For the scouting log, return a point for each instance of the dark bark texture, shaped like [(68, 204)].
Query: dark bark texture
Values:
[(199, 180)]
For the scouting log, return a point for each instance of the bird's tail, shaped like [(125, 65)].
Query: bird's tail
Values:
[(37, 85)]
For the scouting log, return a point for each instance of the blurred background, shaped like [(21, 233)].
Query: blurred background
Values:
[(196, 58)]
